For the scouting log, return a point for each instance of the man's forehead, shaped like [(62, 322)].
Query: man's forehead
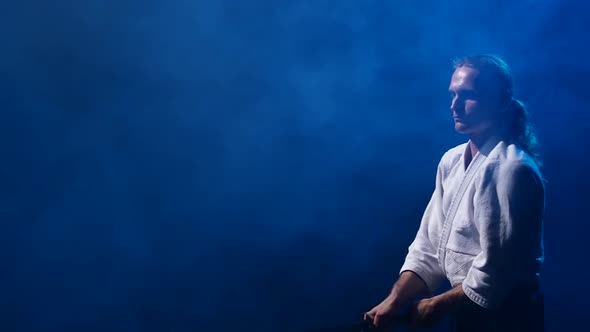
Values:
[(463, 77)]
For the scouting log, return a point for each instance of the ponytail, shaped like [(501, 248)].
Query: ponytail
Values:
[(521, 130)]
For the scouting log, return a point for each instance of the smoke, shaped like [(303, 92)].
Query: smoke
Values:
[(264, 165)]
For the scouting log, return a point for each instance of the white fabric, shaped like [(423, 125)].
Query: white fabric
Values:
[(483, 224)]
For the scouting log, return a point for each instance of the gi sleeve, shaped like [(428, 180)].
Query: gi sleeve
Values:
[(509, 207)]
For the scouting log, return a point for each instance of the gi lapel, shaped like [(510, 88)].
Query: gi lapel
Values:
[(472, 170)]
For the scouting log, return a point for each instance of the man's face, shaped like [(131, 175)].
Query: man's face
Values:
[(474, 111)]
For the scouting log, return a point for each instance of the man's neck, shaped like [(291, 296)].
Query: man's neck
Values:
[(497, 129), (476, 142), (474, 145)]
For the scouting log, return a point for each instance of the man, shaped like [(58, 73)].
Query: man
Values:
[(482, 229)]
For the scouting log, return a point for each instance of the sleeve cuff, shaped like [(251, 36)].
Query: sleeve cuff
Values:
[(475, 297)]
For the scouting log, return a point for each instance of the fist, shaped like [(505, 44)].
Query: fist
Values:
[(425, 313)]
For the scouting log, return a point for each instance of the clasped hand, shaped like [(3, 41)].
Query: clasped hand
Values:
[(422, 313)]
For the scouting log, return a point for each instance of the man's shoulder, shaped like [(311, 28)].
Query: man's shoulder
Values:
[(509, 158), (511, 154)]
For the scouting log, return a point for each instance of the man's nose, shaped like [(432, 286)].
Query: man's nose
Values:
[(455, 104)]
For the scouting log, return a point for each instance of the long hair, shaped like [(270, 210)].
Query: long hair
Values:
[(497, 75)]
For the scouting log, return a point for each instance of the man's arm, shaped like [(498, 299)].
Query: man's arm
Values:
[(427, 311), (451, 299), (407, 287), (509, 215)]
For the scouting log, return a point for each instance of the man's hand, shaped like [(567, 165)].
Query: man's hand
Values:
[(382, 315), (425, 313), (408, 286)]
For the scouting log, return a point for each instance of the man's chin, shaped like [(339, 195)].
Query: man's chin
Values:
[(461, 128)]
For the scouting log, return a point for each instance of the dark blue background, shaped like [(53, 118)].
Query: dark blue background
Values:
[(257, 165)]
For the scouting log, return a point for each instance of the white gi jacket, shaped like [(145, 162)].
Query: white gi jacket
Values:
[(483, 225)]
